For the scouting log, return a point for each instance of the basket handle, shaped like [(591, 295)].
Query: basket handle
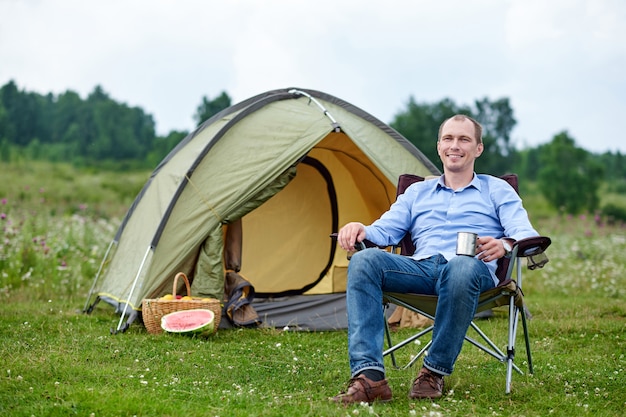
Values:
[(181, 274)]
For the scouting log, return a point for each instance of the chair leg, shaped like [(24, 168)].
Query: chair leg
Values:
[(527, 340), (392, 348), (419, 355), (388, 335), (510, 350)]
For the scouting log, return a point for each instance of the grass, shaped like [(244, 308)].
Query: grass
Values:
[(57, 361)]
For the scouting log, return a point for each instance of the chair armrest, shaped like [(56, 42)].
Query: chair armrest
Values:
[(531, 246), (366, 243), (525, 247)]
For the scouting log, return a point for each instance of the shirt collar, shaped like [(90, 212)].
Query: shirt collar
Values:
[(474, 183)]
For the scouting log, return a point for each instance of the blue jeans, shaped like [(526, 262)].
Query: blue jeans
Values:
[(458, 283)]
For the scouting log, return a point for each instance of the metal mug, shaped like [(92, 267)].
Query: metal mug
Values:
[(466, 243)]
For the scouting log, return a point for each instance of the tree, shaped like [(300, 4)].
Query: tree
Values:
[(120, 132), (66, 115), (498, 121), (6, 129), (528, 162), (569, 177), (419, 123), (22, 114), (615, 165), (5, 150), (208, 108)]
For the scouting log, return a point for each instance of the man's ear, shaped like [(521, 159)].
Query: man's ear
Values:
[(479, 149)]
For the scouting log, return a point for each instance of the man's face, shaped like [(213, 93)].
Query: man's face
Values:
[(458, 146)]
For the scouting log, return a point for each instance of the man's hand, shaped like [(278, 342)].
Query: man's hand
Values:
[(489, 248), (349, 234)]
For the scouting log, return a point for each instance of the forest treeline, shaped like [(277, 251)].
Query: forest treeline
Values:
[(102, 132)]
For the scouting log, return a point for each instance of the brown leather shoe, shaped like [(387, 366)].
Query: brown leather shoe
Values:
[(362, 389), (427, 385)]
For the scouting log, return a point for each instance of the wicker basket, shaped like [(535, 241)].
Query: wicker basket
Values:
[(152, 310)]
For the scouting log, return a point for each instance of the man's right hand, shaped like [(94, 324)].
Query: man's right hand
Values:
[(349, 234)]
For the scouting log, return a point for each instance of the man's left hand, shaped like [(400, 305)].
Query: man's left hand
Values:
[(489, 248)]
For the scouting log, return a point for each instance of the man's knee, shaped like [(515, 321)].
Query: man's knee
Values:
[(365, 264), (463, 270)]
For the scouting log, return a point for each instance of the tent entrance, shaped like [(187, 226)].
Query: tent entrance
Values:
[(286, 244)]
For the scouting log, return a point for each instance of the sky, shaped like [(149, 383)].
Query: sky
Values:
[(561, 63)]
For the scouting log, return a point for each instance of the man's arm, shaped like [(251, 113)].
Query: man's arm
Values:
[(512, 214)]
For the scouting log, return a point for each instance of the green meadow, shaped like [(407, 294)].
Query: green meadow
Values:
[(56, 222)]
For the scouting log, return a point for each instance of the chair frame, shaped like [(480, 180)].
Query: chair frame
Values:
[(507, 293)]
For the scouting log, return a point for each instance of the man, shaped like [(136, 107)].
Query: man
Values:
[(433, 211)]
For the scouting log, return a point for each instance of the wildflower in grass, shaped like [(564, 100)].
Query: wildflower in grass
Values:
[(598, 220), (4, 201), (3, 216)]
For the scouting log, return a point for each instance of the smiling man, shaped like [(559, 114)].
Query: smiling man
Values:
[(432, 211)]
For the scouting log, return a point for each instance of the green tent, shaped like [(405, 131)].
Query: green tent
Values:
[(289, 167)]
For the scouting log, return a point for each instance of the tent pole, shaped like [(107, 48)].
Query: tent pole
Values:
[(132, 289), (95, 281), (318, 104)]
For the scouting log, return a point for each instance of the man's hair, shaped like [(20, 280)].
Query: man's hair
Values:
[(478, 129)]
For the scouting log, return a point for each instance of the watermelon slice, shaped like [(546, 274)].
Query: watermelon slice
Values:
[(198, 321)]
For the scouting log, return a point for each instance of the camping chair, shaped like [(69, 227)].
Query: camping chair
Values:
[(507, 293)]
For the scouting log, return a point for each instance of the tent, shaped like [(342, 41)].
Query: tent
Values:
[(292, 165)]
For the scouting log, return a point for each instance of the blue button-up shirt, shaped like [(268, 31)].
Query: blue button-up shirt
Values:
[(433, 214)]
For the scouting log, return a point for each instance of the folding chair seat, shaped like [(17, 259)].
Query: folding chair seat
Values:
[(508, 293)]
